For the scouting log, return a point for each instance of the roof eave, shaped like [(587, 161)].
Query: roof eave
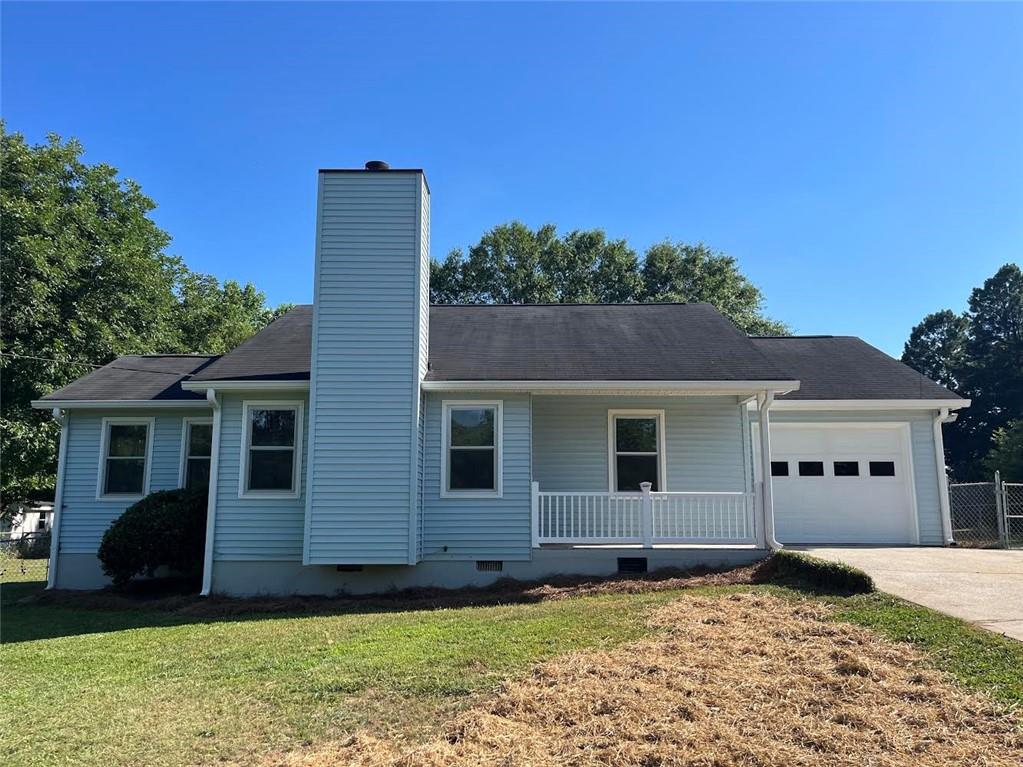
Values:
[(870, 404), (687, 387), (116, 404)]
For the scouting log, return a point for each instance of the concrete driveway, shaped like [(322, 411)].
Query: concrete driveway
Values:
[(984, 586)]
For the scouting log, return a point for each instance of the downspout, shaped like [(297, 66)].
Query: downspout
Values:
[(939, 458), (767, 502), (211, 495), (58, 498)]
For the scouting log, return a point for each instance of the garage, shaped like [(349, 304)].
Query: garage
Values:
[(843, 483)]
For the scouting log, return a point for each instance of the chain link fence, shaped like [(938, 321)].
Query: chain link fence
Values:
[(987, 514), (26, 558)]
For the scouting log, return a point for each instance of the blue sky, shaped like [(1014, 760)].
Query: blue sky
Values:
[(862, 162)]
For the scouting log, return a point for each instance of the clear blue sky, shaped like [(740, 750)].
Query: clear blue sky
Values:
[(863, 162)]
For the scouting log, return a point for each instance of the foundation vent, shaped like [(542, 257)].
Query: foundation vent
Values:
[(632, 564), (489, 565)]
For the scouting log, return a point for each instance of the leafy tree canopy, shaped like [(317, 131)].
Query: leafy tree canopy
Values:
[(513, 264), (86, 277), (1006, 454), (978, 354)]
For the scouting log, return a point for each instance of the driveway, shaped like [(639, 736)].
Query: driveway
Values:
[(984, 586)]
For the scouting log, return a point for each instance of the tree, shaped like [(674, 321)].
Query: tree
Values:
[(1006, 455), (514, 264), (86, 277), (978, 354)]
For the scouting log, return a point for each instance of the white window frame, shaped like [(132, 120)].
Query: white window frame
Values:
[(104, 446), (445, 445), (186, 428), (296, 465), (612, 450)]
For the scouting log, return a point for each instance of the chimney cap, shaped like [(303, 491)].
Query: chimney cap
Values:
[(377, 165)]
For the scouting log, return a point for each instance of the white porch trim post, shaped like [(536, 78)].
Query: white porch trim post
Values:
[(58, 500), (939, 459), (765, 401), (534, 505), (646, 515), (211, 494)]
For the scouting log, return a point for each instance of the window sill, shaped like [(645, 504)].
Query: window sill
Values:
[(120, 498), (269, 495), (471, 495)]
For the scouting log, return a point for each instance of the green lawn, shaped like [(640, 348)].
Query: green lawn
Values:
[(158, 688)]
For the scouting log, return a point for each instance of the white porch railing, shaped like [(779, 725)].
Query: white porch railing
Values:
[(646, 518)]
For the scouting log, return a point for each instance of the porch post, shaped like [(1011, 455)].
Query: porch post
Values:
[(534, 505), (767, 505), (646, 515)]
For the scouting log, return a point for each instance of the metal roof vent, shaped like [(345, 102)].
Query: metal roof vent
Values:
[(377, 165)]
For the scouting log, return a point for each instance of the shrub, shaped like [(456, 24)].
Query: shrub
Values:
[(34, 546), (793, 568), (164, 529)]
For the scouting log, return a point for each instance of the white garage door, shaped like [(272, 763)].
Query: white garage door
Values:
[(843, 484)]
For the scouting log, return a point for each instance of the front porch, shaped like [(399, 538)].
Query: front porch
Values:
[(646, 519)]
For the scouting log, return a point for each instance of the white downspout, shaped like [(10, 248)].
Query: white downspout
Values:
[(211, 502), (58, 498), (939, 458), (767, 492)]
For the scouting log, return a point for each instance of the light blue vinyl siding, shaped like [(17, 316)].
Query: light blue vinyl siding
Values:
[(83, 518), (703, 442), (365, 365), (264, 529), (925, 470), (479, 528)]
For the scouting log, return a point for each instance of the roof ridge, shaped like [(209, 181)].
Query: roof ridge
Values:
[(574, 303)]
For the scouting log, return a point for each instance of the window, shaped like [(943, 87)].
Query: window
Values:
[(124, 467), (636, 448), (779, 468), (270, 449), (882, 468), (472, 453), (847, 468), (811, 468), (196, 449)]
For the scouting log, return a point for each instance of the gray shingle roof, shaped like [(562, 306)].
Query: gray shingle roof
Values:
[(279, 352), (575, 342), (136, 377), (845, 367), (592, 342)]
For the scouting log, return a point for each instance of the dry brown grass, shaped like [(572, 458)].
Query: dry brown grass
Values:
[(735, 680)]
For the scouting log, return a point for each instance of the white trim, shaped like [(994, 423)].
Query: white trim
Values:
[(186, 425), (604, 387), (58, 498), (211, 497), (313, 354), (416, 400), (296, 458), (939, 460), (869, 404), (246, 386), (150, 424), (118, 404), (612, 451), (445, 436)]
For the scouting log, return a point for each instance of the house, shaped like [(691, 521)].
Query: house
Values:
[(27, 520), (373, 441)]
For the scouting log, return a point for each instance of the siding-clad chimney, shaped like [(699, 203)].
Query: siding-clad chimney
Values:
[(369, 356)]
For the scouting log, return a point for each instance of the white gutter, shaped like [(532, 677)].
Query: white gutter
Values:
[(713, 387), (211, 502), (939, 459), (870, 404), (116, 404), (58, 498), (245, 385), (767, 489)]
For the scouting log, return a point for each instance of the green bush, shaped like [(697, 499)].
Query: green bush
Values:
[(34, 546), (793, 568), (164, 529)]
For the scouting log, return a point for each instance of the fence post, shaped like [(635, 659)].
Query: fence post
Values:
[(534, 505), (646, 515), (1003, 538)]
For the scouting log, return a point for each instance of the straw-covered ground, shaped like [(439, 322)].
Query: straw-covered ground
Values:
[(736, 679)]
